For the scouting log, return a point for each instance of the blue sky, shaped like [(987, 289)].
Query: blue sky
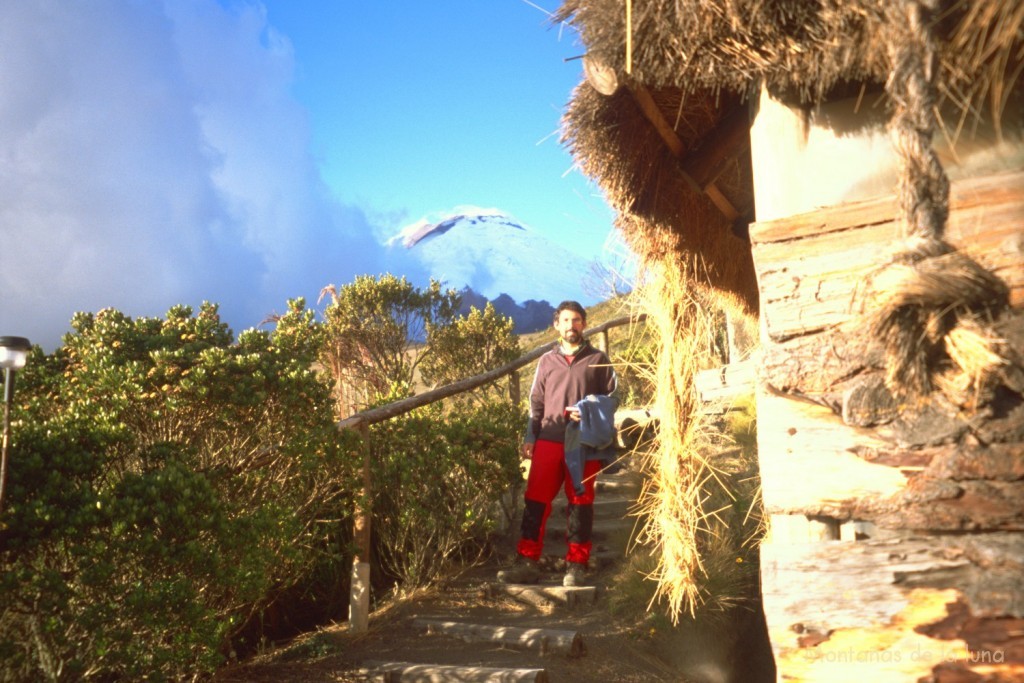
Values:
[(421, 106), (247, 152)]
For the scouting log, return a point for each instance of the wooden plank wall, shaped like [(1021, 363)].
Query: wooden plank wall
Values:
[(895, 550), (810, 266)]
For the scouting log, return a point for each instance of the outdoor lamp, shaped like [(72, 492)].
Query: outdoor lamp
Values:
[(13, 356)]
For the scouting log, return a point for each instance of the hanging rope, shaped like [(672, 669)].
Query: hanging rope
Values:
[(924, 186), (929, 289), (629, 36)]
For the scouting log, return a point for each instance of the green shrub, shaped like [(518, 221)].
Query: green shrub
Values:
[(165, 484), (439, 471), (168, 483), (437, 479), (471, 345), (371, 327)]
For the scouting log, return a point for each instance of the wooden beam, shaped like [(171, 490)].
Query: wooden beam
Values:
[(727, 141), (405, 405), (650, 109), (722, 202), (668, 134)]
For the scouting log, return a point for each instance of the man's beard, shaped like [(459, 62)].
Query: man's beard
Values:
[(572, 337)]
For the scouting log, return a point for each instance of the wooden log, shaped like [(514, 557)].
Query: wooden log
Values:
[(544, 640), (812, 267), (989, 641), (818, 363), (944, 505), (998, 462), (408, 672), (727, 382), (545, 596), (809, 463), (895, 609), (842, 370), (813, 464), (955, 461)]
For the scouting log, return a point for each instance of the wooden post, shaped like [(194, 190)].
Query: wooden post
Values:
[(601, 340), (730, 335), (513, 387), (359, 595)]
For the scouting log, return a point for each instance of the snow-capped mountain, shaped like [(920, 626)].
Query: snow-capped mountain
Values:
[(493, 254)]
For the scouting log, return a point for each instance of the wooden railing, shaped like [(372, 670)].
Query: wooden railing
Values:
[(359, 596)]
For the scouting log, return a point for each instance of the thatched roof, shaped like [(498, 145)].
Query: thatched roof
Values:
[(676, 165), (804, 48), (614, 142)]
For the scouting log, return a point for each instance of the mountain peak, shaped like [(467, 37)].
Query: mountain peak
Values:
[(413, 234), (493, 253)]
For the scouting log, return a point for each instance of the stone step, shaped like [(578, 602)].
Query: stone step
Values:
[(543, 640), (544, 595), (617, 507), (607, 514), (625, 497), (409, 672), (601, 529), (607, 484)]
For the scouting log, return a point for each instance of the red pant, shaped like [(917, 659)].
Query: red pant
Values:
[(548, 473)]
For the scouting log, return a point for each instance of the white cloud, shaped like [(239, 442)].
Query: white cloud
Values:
[(152, 155)]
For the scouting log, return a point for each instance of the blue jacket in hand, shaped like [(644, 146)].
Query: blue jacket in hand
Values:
[(592, 438)]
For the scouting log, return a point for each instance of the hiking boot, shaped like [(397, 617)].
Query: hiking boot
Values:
[(574, 573), (523, 570)]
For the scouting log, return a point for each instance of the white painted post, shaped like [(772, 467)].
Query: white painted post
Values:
[(359, 594)]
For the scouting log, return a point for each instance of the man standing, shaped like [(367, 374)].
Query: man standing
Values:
[(572, 376)]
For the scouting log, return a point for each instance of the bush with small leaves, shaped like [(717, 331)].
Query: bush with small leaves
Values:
[(437, 476), (166, 483), (471, 345), (371, 329)]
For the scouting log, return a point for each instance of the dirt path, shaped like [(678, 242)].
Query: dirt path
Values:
[(617, 648)]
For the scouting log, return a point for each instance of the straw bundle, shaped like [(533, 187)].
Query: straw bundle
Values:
[(978, 359), (613, 142), (680, 477)]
